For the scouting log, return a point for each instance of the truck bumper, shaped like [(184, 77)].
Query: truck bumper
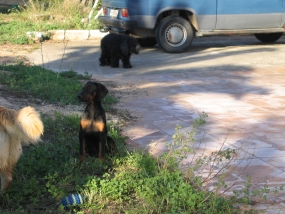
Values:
[(109, 23)]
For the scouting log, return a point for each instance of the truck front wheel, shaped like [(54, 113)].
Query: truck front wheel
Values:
[(174, 34)]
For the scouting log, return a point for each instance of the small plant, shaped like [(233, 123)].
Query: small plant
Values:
[(250, 194), (180, 147)]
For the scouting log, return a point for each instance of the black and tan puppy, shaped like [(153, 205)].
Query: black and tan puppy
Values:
[(93, 130)]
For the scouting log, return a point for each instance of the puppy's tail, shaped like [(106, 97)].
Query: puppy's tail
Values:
[(29, 124)]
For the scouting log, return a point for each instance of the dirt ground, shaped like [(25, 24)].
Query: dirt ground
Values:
[(121, 91)]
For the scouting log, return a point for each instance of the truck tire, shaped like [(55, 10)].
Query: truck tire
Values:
[(147, 42), (268, 37), (174, 34)]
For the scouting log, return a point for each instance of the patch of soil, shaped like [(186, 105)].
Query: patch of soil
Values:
[(10, 53), (12, 50)]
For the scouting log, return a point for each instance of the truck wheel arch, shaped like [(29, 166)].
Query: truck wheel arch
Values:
[(187, 13)]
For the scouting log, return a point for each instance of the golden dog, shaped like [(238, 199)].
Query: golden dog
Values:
[(16, 127)]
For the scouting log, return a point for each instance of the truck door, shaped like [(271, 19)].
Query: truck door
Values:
[(248, 14)]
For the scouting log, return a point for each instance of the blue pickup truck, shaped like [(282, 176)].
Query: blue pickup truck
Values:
[(172, 24)]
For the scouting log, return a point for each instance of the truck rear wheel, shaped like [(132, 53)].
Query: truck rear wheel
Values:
[(268, 37), (174, 34)]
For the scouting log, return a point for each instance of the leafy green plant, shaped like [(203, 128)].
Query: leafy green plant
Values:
[(180, 147), (248, 194)]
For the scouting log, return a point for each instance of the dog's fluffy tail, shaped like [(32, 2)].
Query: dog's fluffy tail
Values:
[(29, 125)]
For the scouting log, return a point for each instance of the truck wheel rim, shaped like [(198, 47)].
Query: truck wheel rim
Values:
[(175, 35)]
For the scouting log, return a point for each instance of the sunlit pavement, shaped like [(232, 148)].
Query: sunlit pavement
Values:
[(237, 81)]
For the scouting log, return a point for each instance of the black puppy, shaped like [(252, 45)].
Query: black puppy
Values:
[(93, 130), (116, 47)]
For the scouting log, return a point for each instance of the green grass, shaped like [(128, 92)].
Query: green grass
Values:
[(59, 15), (44, 84), (61, 87)]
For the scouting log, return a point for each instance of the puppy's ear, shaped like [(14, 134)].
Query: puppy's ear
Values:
[(124, 48), (101, 91)]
